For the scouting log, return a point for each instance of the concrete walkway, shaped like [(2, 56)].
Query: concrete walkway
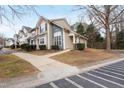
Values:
[(50, 69)]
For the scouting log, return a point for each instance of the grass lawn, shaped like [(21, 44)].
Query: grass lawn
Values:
[(12, 66), (84, 58), (43, 52)]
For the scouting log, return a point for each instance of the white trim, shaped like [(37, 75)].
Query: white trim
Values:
[(64, 47), (48, 35), (42, 37), (74, 39), (85, 44)]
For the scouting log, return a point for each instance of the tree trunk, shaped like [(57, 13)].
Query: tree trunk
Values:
[(108, 42)]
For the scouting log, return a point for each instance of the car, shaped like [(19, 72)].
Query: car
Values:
[(1, 46)]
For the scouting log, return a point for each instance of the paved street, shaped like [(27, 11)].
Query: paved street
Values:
[(111, 76), (5, 51)]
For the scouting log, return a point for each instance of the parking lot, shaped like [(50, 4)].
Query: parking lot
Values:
[(110, 76)]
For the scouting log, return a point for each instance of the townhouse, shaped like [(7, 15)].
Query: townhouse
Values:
[(51, 32)]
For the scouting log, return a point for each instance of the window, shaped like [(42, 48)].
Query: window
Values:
[(58, 40), (42, 41), (33, 33), (32, 41), (56, 28), (43, 27)]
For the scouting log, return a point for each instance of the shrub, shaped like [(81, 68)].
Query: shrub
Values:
[(7, 46), (12, 46), (120, 40), (17, 46), (1, 47), (120, 44), (79, 46), (42, 47), (28, 47), (55, 47), (33, 47), (23, 46)]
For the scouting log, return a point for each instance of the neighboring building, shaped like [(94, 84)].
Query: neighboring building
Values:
[(16, 39), (51, 32), (113, 36), (9, 42), (25, 34), (1, 41)]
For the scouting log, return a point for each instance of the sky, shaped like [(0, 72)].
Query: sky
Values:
[(30, 19)]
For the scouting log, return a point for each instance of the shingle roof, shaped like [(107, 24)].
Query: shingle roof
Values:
[(27, 28), (56, 22)]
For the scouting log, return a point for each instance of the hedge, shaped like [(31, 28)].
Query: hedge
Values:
[(42, 47), (55, 47), (79, 46), (120, 44), (33, 47), (7, 46), (12, 46), (23, 46), (28, 47)]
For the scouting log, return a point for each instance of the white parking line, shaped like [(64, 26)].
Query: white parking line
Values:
[(122, 69), (74, 83), (91, 81), (53, 85), (116, 65), (111, 72), (106, 80), (113, 69), (108, 75)]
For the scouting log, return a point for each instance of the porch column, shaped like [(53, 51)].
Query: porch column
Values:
[(48, 36), (85, 43), (74, 39), (64, 39), (37, 40)]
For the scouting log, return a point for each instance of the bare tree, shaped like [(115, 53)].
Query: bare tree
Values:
[(104, 16), (10, 12)]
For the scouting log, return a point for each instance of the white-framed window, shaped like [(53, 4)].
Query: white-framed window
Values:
[(32, 42), (33, 33), (58, 40), (43, 27), (42, 41)]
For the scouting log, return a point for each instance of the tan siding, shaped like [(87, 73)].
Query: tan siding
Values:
[(83, 41), (68, 42), (62, 23)]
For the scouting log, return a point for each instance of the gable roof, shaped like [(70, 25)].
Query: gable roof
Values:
[(8, 39), (40, 20), (61, 22), (27, 28)]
